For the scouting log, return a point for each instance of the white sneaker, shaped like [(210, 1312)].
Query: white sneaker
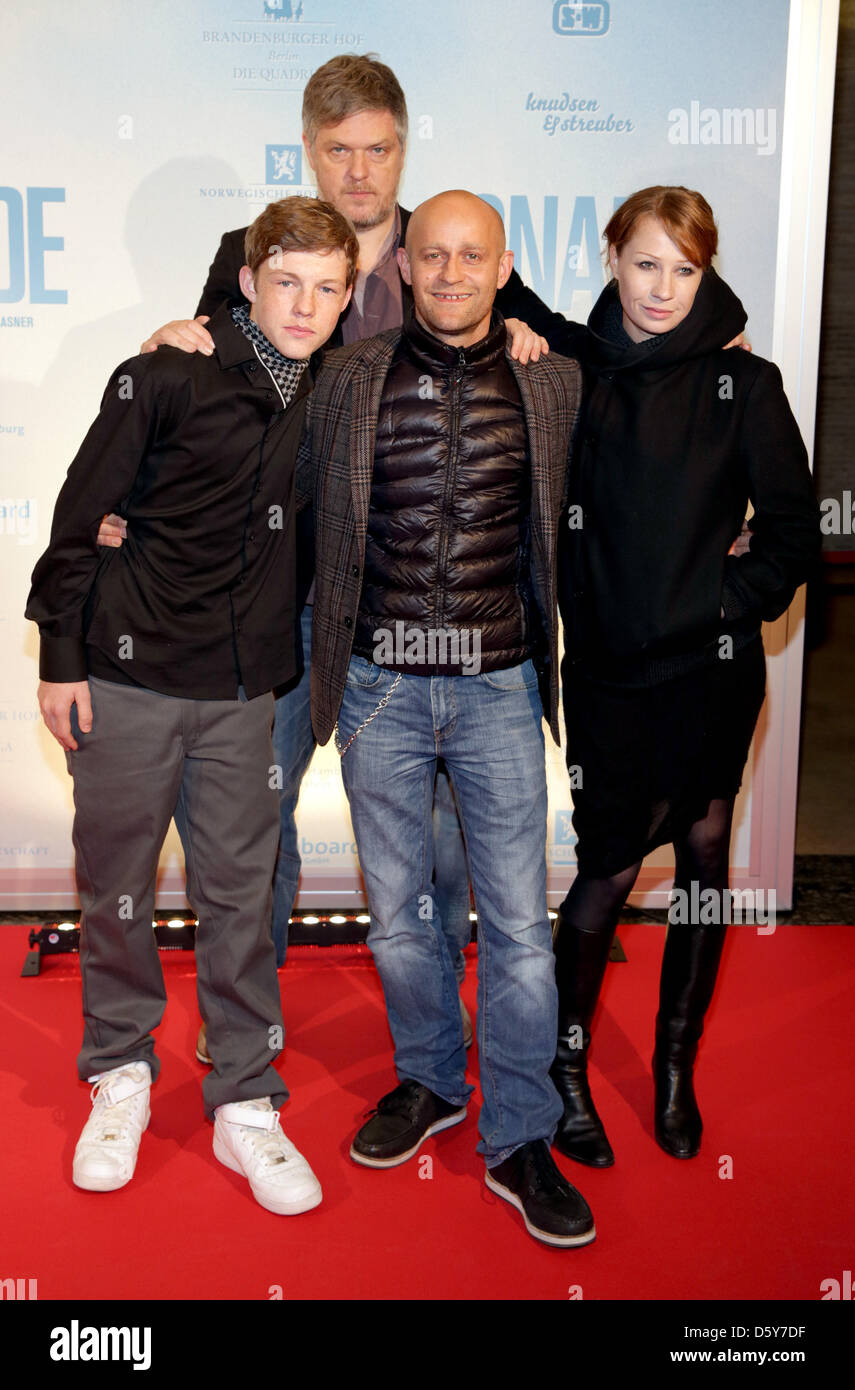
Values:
[(248, 1139), (106, 1153)]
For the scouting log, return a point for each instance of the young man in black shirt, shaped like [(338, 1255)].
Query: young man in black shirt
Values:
[(157, 665), (355, 139)]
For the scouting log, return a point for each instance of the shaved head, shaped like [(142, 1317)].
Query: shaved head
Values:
[(455, 259), (456, 206)]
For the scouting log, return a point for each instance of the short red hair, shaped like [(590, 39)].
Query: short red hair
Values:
[(686, 216)]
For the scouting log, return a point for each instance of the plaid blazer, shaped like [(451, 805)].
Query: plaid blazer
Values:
[(334, 472)]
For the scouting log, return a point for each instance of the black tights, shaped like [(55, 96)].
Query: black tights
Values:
[(594, 904), (702, 855)]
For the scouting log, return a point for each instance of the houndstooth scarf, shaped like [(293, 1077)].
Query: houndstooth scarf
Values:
[(286, 371)]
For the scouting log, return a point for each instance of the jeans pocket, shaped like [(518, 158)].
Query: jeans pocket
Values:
[(363, 673), (523, 677)]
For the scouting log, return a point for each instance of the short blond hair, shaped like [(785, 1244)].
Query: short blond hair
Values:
[(348, 84)]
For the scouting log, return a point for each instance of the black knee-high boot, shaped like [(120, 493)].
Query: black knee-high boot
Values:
[(580, 963), (689, 969)]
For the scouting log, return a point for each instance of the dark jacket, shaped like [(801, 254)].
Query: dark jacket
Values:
[(335, 472), (675, 440), (199, 455), (514, 300), (447, 545)]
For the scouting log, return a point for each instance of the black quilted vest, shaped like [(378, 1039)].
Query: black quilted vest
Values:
[(447, 545)]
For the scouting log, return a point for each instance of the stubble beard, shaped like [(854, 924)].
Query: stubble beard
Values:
[(426, 311), (373, 219)]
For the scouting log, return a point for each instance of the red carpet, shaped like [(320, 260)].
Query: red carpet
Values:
[(775, 1086)]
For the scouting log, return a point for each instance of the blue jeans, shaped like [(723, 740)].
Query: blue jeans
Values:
[(488, 730), (451, 875), (293, 746)]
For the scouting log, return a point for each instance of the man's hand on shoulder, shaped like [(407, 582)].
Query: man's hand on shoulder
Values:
[(526, 345), (189, 335), (741, 341), (55, 701), (113, 530)]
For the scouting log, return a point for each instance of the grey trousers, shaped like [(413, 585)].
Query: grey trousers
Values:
[(146, 755)]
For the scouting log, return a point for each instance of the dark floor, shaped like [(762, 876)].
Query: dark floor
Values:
[(826, 804), (823, 891)]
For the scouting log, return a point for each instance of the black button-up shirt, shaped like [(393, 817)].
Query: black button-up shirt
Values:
[(198, 454)]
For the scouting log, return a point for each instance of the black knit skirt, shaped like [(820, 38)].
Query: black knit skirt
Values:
[(652, 758)]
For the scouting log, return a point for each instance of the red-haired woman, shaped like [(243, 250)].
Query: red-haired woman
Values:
[(664, 672)]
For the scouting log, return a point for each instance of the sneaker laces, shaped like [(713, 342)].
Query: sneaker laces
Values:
[(113, 1121), (270, 1146)]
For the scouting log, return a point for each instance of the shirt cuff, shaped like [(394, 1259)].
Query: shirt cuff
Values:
[(62, 659)]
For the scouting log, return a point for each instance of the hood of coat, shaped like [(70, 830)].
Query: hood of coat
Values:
[(716, 317)]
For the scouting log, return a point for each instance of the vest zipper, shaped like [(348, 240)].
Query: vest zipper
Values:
[(450, 471)]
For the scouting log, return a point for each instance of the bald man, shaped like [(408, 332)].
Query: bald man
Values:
[(436, 466)]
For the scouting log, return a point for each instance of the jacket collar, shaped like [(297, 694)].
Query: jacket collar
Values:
[(429, 351), (716, 317), (234, 348)]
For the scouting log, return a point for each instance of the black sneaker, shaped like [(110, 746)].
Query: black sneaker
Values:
[(552, 1210), (402, 1120)]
